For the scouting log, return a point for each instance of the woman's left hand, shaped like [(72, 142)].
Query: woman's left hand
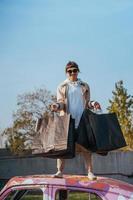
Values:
[(97, 106), (94, 105)]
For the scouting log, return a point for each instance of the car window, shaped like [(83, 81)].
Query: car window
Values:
[(76, 195), (25, 195)]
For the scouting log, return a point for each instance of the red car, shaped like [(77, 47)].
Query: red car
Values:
[(72, 187)]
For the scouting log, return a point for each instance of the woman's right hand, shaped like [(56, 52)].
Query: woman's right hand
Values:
[(54, 107)]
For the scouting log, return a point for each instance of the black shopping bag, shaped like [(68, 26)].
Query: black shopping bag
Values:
[(55, 137), (85, 136), (105, 131)]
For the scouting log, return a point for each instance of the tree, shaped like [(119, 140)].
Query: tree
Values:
[(122, 105), (30, 106), (1, 139)]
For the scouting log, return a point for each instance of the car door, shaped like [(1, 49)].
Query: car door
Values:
[(77, 193)]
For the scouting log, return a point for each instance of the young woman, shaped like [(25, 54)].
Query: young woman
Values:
[(73, 96)]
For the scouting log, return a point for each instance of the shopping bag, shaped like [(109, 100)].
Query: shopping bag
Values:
[(55, 137), (105, 131), (85, 135)]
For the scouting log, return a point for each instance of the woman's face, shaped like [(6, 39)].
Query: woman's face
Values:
[(72, 74)]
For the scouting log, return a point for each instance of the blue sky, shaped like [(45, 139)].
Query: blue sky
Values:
[(38, 37)]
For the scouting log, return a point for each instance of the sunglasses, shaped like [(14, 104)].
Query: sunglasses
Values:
[(74, 71)]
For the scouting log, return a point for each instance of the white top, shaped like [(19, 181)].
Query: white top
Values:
[(75, 101)]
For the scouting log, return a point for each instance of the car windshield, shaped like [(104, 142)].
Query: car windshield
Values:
[(25, 195)]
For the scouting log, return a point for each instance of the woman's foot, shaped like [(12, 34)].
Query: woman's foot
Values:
[(58, 174), (91, 176)]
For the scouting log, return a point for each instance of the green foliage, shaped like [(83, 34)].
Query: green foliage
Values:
[(30, 106), (122, 105)]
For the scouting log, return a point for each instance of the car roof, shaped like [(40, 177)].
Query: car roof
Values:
[(103, 184)]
